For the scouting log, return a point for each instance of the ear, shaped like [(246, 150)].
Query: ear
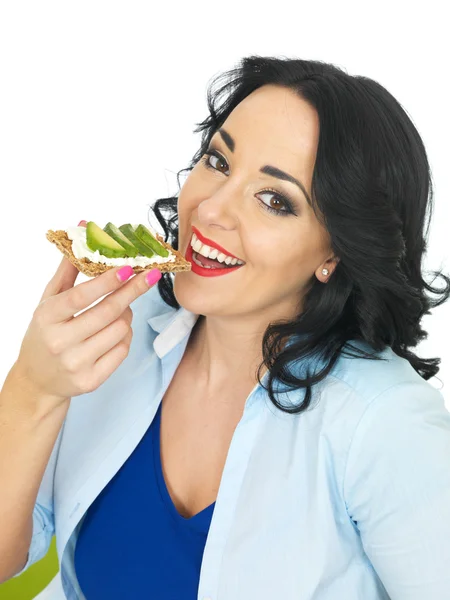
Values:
[(330, 266)]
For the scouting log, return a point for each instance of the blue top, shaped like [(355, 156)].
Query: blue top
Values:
[(348, 500), (150, 551)]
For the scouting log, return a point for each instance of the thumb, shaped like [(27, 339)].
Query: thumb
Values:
[(64, 278)]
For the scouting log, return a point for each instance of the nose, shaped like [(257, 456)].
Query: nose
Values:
[(221, 209)]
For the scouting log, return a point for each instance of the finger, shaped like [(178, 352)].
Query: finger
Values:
[(63, 279), (108, 363), (127, 314), (108, 310), (76, 299), (99, 344)]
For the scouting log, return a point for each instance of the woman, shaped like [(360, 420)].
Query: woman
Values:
[(268, 431)]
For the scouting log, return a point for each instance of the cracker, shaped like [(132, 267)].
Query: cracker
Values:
[(92, 269)]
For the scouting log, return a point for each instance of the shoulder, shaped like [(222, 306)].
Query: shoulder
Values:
[(395, 417), (373, 408), (370, 383)]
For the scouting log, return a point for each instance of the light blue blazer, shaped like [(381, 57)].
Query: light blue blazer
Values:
[(349, 500)]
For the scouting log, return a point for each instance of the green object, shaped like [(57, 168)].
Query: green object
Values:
[(129, 232), (97, 239), (148, 238), (28, 585), (120, 238)]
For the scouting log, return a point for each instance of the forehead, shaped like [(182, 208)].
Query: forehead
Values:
[(274, 126), (276, 118)]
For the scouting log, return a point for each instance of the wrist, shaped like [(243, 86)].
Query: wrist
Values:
[(25, 397)]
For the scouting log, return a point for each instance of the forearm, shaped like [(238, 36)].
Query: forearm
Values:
[(29, 426)]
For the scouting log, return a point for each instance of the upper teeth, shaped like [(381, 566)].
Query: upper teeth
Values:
[(209, 252)]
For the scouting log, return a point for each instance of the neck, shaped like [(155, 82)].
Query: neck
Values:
[(219, 348)]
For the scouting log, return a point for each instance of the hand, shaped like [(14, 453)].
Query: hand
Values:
[(63, 355)]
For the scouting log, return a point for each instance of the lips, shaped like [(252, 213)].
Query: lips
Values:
[(205, 240), (205, 272)]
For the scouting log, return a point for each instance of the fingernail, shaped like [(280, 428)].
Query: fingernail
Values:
[(153, 276), (82, 223), (125, 273)]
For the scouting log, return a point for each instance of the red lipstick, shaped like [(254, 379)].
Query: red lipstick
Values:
[(203, 271), (205, 240)]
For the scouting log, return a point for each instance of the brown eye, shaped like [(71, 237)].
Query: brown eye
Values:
[(277, 203), (220, 161)]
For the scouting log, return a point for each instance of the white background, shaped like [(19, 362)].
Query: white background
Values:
[(98, 102)]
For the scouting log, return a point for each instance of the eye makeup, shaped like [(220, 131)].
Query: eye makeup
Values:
[(277, 196)]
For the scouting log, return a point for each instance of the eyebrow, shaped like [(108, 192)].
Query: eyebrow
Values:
[(267, 169)]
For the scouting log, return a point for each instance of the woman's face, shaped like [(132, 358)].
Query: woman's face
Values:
[(230, 204)]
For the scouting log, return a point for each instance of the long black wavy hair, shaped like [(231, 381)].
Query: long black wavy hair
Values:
[(371, 189)]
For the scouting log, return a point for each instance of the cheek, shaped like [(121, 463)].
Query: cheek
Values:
[(186, 207), (190, 196), (288, 261), (184, 203), (192, 188), (265, 249)]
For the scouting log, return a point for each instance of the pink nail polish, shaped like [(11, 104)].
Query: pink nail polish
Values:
[(125, 273), (153, 276)]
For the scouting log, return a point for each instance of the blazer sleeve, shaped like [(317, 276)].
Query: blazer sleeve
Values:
[(43, 515), (397, 490)]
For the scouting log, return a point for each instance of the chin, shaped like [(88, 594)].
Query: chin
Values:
[(187, 293), (193, 299)]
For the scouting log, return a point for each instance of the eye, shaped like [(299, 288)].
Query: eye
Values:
[(277, 197), (275, 202), (212, 154)]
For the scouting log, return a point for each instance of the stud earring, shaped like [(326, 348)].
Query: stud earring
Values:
[(324, 271)]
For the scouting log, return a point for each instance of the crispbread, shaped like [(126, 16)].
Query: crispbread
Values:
[(92, 269)]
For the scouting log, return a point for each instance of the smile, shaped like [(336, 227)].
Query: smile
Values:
[(212, 253), (208, 267), (212, 244)]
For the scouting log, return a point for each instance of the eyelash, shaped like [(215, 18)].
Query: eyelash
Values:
[(277, 195)]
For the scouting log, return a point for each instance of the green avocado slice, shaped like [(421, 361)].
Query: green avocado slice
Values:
[(147, 237), (121, 239), (128, 231), (97, 239)]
